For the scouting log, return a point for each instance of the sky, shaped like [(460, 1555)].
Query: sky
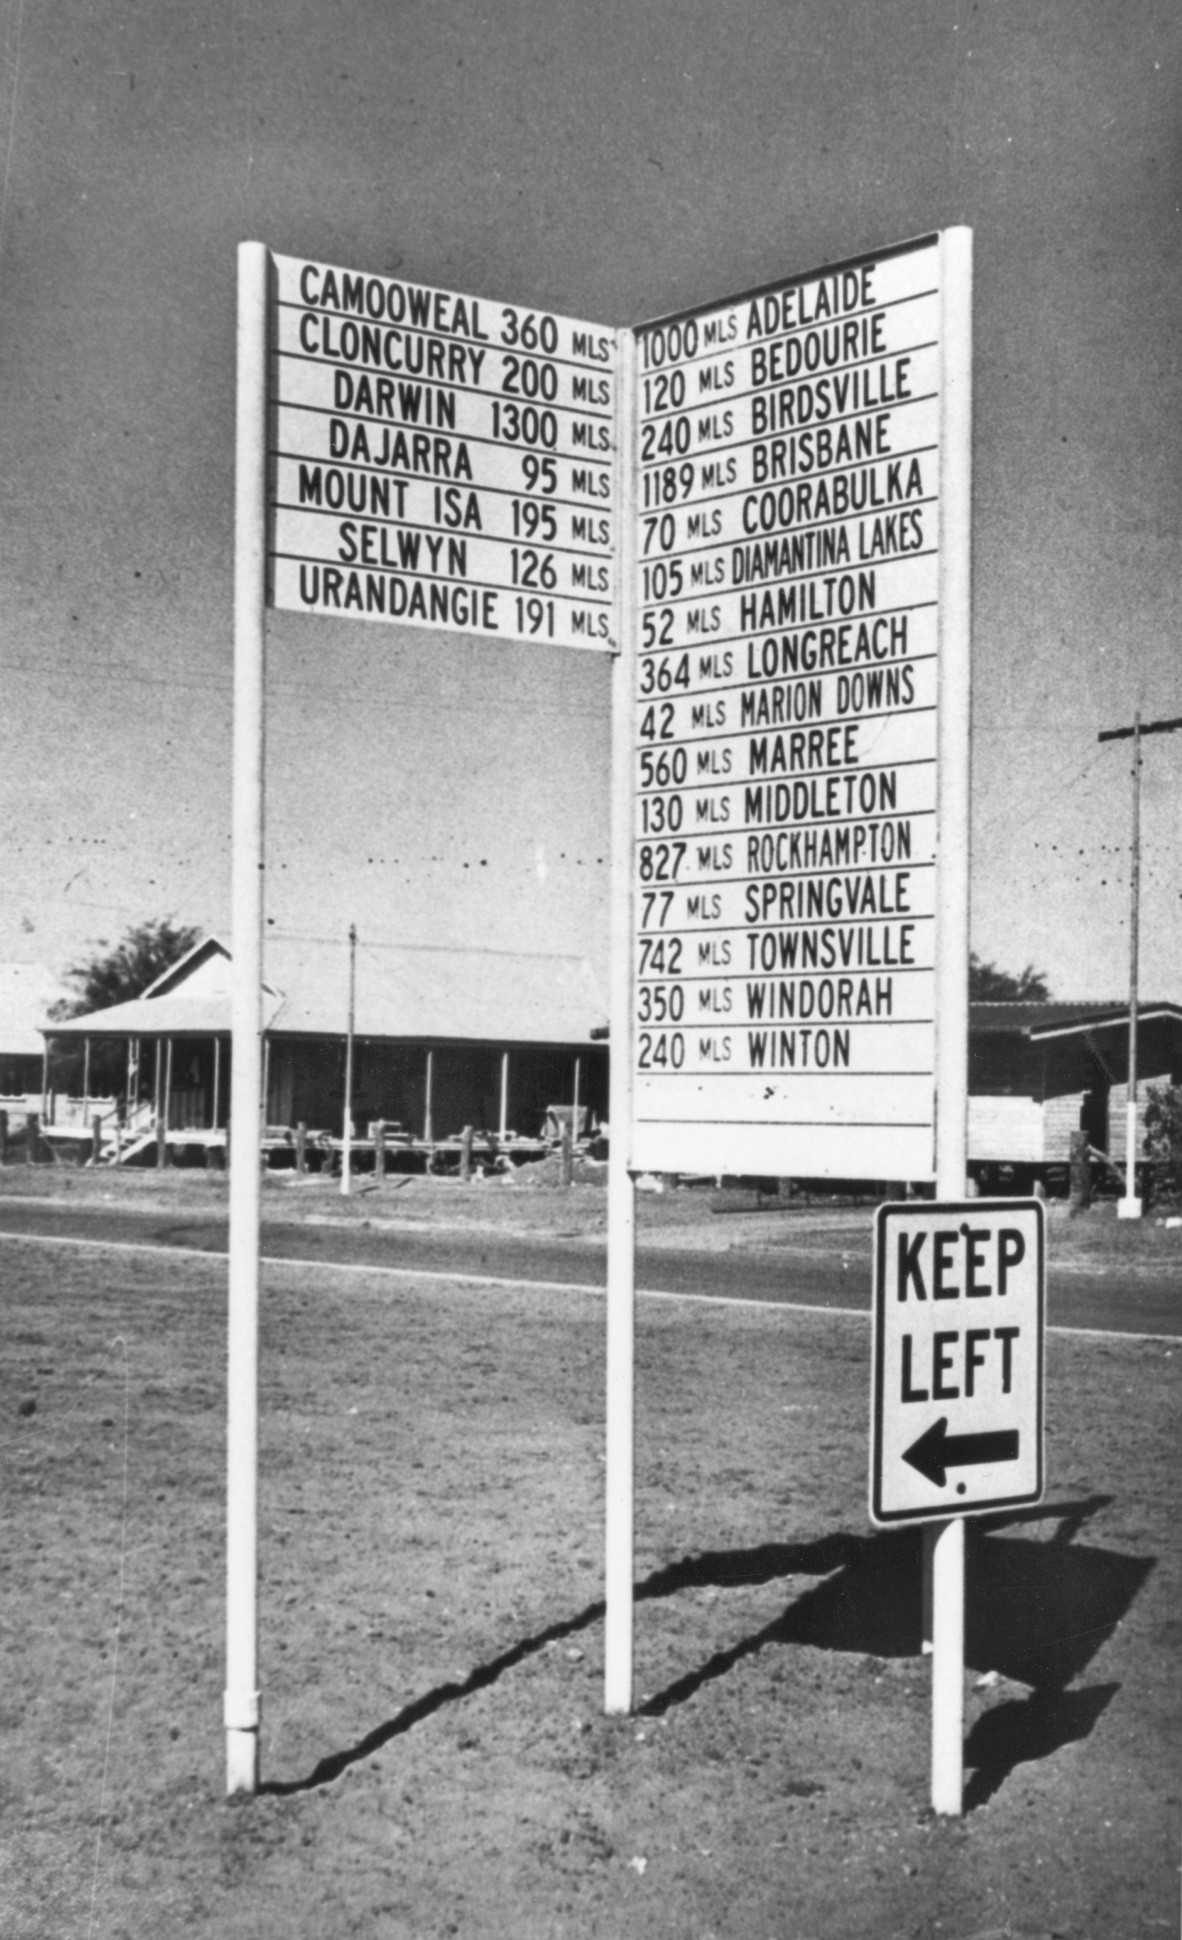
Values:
[(609, 160)]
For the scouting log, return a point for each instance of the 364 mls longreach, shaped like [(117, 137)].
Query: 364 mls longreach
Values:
[(959, 1301), (792, 534)]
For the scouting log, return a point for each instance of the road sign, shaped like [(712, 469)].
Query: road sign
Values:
[(439, 460), (793, 525), (959, 1297), (406, 455)]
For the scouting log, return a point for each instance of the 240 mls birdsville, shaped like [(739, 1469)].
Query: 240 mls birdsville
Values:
[(435, 1758)]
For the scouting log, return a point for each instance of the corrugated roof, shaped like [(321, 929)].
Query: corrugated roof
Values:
[(26, 992), (171, 1016), (205, 966), (429, 992), (478, 996), (1041, 1019)]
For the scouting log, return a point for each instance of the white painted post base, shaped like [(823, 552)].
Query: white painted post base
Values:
[(619, 1506), (242, 1711), (948, 1669), (242, 1762), (1129, 1207)]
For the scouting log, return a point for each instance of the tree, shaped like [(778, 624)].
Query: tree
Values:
[(1163, 1140), (114, 975), (989, 985)]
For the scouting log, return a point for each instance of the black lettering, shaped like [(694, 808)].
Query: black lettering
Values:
[(975, 1237), (972, 1360), (941, 1364), (1011, 1251), (941, 1243), (909, 1265), (910, 1393), (1006, 1335)]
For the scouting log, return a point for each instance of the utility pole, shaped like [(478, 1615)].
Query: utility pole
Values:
[(347, 1127), (1130, 1206)]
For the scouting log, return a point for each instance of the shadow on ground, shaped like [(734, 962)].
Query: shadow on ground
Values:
[(1037, 1611)]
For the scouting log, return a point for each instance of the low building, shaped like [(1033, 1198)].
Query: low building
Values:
[(510, 1043), (26, 992), (1038, 1072), (443, 1039)]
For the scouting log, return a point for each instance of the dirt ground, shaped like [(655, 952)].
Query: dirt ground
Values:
[(434, 1755)]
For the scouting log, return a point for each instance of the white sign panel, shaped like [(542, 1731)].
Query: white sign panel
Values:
[(439, 460), (959, 1301), (788, 562)]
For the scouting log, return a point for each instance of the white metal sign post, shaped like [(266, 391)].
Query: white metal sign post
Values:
[(798, 739), (433, 460), (246, 1074), (619, 1372), (952, 937)]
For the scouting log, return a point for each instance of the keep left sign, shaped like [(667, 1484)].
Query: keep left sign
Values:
[(957, 1400)]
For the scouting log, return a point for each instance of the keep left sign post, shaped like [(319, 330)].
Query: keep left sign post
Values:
[(957, 1405)]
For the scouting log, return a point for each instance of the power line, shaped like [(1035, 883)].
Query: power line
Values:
[(1057, 788), (103, 673), (1140, 727)]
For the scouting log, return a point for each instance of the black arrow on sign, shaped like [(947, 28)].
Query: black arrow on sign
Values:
[(937, 1450)]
